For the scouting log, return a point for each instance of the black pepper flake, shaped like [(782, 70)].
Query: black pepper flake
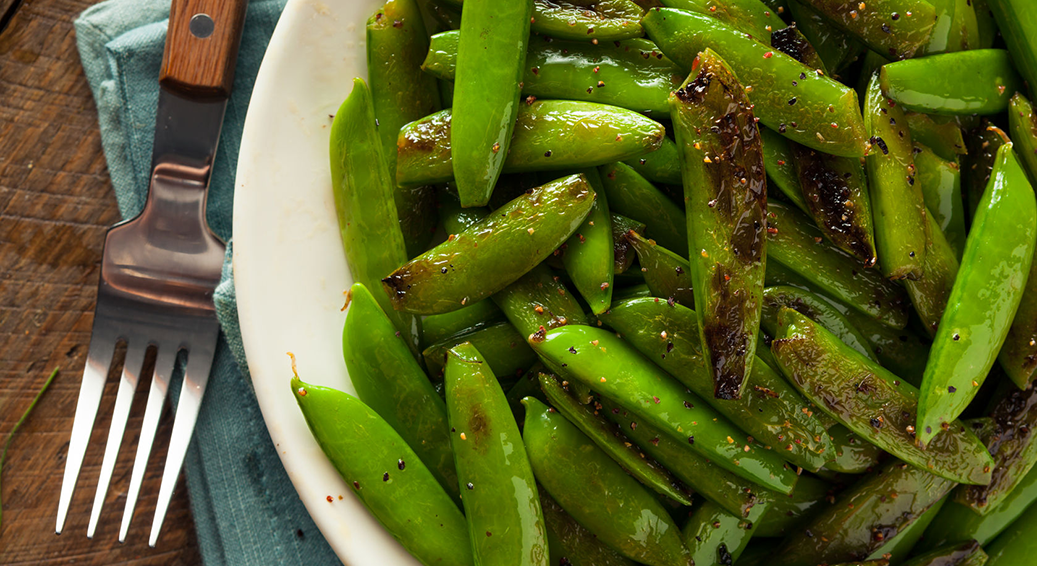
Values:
[(875, 140), (876, 422), (385, 476), (896, 16), (547, 153), (952, 389), (691, 439), (470, 485), (356, 485), (885, 28), (792, 101), (802, 76), (572, 350), (401, 465), (688, 405), (956, 337)]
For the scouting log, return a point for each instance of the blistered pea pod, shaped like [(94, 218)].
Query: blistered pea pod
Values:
[(941, 190), (582, 20), (632, 195), (894, 28), (836, 48), (1017, 22), (790, 41), (538, 299), (781, 167), (715, 536), (851, 454), (622, 250), (749, 16), (942, 135), (570, 543), (979, 81), (786, 512), (589, 254), (813, 307), (667, 274), (898, 548), (967, 553)]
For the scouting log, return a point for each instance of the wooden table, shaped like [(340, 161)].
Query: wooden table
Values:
[(55, 203)]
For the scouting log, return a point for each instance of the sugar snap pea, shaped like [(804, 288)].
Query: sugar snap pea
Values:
[(898, 548), (943, 137), (390, 480), (986, 294), (503, 348), (593, 488), (659, 166), (1017, 22), (836, 48), (961, 554), (750, 16), (588, 255), (979, 81), (632, 195), (623, 252), (781, 167), (983, 144), (584, 20), (790, 41), (570, 543), (1016, 545), (931, 291), (527, 386), (884, 25), (814, 307), (549, 135), (725, 194), (454, 218), (941, 190), (505, 523), (869, 400), (538, 299), (787, 512), (956, 28), (852, 454), (438, 327), (667, 274), (715, 536)]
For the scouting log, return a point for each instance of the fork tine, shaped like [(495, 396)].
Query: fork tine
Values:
[(199, 362), (164, 363)]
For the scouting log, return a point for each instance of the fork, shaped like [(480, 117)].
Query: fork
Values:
[(160, 269)]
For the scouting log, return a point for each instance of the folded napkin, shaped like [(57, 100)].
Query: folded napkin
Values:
[(245, 508)]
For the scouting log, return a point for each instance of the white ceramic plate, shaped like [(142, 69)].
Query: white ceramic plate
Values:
[(288, 263)]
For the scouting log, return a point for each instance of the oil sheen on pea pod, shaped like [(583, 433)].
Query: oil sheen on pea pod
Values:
[(983, 144), (941, 190), (882, 24), (1017, 22), (817, 309), (715, 536), (931, 291), (749, 16), (570, 543), (781, 167), (633, 196), (986, 294), (500, 497), (549, 135), (538, 299), (667, 274), (1016, 545), (798, 246), (622, 251), (390, 480), (871, 401), (771, 411), (725, 194), (943, 137), (641, 387), (595, 490), (787, 512), (491, 54), (389, 381), (966, 553), (956, 28), (864, 517), (503, 348), (852, 454), (659, 166), (589, 255), (367, 217), (836, 48), (979, 81), (898, 548), (494, 252), (826, 115), (396, 46)]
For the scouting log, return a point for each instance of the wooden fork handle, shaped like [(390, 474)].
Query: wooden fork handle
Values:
[(202, 47)]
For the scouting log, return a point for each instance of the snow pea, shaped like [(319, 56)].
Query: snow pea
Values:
[(596, 491), (505, 523), (715, 536), (869, 400), (510, 241), (930, 292), (836, 48), (941, 190), (865, 516), (781, 167), (390, 479), (986, 294), (790, 41), (549, 135), (725, 195), (491, 54), (771, 411), (961, 554), (1017, 21), (659, 166), (401, 93), (588, 255), (1016, 545), (388, 380), (466, 319), (982, 144), (367, 217), (901, 546), (504, 349), (787, 512), (752, 17), (824, 115), (942, 137), (817, 309), (895, 28), (667, 274), (797, 246), (633, 196), (570, 543), (852, 454), (538, 299), (956, 28), (646, 390), (623, 252), (897, 202), (979, 81)]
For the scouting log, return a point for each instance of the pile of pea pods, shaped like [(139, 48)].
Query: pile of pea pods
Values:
[(674, 282)]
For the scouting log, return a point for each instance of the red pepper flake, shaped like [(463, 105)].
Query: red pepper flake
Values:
[(781, 162), (331, 499), (530, 100), (656, 399), (496, 147), (771, 230), (768, 55), (397, 23), (596, 69), (602, 83), (356, 485)]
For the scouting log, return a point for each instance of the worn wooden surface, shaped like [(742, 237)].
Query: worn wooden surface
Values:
[(55, 204)]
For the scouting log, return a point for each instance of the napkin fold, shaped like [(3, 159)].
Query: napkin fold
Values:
[(245, 508)]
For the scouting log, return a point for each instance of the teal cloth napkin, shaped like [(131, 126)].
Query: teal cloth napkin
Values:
[(245, 508)]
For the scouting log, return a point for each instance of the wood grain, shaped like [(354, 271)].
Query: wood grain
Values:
[(55, 203), (202, 66)]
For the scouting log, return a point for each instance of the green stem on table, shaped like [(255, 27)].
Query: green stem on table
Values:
[(17, 425)]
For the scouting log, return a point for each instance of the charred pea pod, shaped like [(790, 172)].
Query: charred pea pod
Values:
[(595, 490), (549, 135), (983, 144), (897, 202), (851, 454), (1017, 21), (570, 543), (884, 25), (1016, 545), (466, 319), (986, 294), (749, 16), (492, 253), (966, 82), (401, 93), (646, 390), (815, 308), (605, 20), (798, 247), (931, 291), (836, 48), (790, 41), (621, 249), (660, 166), (725, 195), (962, 554), (505, 351), (612, 440), (667, 274), (941, 189), (538, 299), (491, 55), (869, 400), (771, 410), (902, 351), (367, 218), (865, 516), (942, 137), (787, 512), (715, 536), (824, 115), (898, 548), (390, 480), (956, 28), (781, 167), (589, 254), (632, 195)]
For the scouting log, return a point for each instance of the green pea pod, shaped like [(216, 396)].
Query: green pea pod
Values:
[(988, 31), (983, 144), (798, 247), (605, 20), (824, 114), (401, 93), (815, 308), (852, 454), (771, 411), (363, 191), (632, 195), (901, 546), (492, 253), (570, 543), (500, 499), (439, 327), (660, 166), (790, 41), (596, 491), (898, 204), (667, 274), (941, 190), (504, 349), (1017, 21), (389, 381), (725, 194), (390, 480), (749, 16), (491, 54), (759, 551), (538, 299), (593, 134), (1016, 545), (646, 390), (871, 401), (527, 386), (715, 536), (865, 516), (836, 48), (781, 167), (942, 137), (956, 28), (882, 24), (454, 218), (786, 513), (986, 294), (961, 554), (649, 472), (980, 81), (589, 254), (621, 249), (930, 292), (632, 292), (901, 351)]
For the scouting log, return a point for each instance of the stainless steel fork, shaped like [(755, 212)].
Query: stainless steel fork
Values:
[(159, 270)]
